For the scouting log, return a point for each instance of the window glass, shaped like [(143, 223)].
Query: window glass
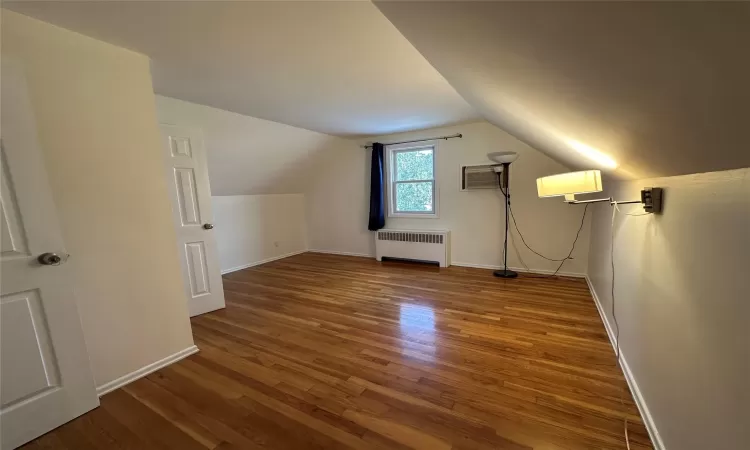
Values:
[(414, 197), (414, 165)]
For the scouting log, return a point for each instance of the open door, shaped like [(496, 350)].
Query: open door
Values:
[(45, 375), (191, 207)]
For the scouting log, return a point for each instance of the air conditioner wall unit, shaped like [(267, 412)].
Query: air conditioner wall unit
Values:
[(480, 176), (417, 245)]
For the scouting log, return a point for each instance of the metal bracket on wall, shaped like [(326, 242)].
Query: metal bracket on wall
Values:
[(651, 199)]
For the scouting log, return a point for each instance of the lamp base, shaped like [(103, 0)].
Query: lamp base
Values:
[(505, 273)]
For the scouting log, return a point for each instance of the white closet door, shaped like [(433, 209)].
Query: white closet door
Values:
[(191, 206)]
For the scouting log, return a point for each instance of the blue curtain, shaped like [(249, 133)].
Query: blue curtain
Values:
[(377, 196)]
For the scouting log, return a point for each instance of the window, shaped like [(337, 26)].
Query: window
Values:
[(412, 181)]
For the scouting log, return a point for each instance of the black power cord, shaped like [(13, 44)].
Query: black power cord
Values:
[(572, 248), (515, 225), (561, 261)]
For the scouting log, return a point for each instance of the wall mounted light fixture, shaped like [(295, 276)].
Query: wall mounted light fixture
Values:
[(588, 181)]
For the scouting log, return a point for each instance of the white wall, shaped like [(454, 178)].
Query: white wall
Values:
[(96, 123), (246, 155), (252, 229), (682, 303), (338, 202)]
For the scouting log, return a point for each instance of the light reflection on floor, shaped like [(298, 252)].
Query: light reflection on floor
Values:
[(417, 324)]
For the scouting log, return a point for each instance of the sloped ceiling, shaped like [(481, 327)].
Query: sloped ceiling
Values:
[(334, 67), (246, 155), (659, 88)]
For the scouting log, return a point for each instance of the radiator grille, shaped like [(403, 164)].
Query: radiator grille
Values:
[(402, 236)]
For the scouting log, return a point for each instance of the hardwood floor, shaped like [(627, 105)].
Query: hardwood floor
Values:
[(332, 352)]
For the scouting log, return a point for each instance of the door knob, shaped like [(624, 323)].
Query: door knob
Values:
[(49, 259), (207, 226)]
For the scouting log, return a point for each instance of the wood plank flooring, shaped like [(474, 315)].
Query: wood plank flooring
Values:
[(333, 352)]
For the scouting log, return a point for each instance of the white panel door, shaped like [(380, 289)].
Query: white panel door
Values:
[(191, 206), (45, 375)]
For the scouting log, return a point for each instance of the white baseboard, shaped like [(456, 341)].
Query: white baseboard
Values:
[(464, 264), (257, 263), (519, 269), (145, 370), (640, 402), (331, 252)]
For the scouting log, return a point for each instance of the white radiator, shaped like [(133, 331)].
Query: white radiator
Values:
[(425, 245)]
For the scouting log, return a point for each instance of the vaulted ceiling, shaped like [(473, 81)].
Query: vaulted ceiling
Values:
[(334, 67), (656, 89), (636, 89)]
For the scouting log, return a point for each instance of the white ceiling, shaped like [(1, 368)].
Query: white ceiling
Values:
[(658, 89), (334, 67), (661, 88)]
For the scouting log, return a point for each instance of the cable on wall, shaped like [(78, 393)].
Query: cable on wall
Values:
[(518, 254), (572, 248), (618, 354), (614, 316), (561, 261), (515, 225)]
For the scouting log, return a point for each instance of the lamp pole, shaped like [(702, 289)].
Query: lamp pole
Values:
[(505, 273)]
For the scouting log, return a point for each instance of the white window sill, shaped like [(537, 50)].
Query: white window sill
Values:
[(413, 216)]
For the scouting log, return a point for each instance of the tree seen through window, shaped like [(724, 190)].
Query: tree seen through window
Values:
[(413, 180)]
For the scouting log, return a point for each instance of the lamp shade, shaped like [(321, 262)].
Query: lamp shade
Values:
[(569, 183), (503, 157)]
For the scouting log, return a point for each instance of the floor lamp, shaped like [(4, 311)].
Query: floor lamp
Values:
[(504, 159)]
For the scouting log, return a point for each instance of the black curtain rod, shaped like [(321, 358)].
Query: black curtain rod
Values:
[(457, 135)]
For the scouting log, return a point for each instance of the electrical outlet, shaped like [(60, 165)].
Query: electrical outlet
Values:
[(652, 199), (275, 243)]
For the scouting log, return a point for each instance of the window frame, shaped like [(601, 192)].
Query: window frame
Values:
[(390, 158)]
